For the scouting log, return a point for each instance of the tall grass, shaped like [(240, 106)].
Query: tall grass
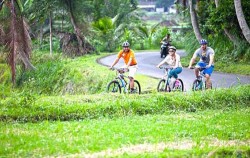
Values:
[(32, 108)]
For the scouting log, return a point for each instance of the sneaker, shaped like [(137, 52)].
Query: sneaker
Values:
[(133, 91)]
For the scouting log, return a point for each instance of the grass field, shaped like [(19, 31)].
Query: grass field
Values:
[(216, 132), (40, 118)]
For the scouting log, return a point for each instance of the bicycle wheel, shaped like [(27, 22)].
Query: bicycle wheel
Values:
[(197, 85), (137, 87), (114, 87), (162, 86), (178, 85)]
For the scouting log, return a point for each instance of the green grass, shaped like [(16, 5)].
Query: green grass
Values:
[(239, 68), (57, 75), (32, 108), (199, 132), (43, 117)]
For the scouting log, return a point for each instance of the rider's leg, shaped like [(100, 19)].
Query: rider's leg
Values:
[(132, 71), (131, 83), (175, 72), (198, 66), (208, 72), (208, 81), (196, 72)]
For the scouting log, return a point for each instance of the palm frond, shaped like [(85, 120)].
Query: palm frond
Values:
[(18, 41), (144, 30)]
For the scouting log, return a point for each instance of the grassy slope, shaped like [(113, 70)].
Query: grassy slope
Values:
[(94, 123)]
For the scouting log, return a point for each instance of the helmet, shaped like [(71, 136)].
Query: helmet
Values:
[(203, 41), (172, 47), (125, 44)]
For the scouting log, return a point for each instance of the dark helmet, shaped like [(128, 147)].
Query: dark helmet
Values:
[(172, 47), (125, 44), (203, 41)]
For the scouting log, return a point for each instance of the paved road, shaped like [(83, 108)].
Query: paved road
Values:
[(147, 62)]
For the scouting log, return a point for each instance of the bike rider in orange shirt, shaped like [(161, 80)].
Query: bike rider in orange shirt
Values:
[(128, 56)]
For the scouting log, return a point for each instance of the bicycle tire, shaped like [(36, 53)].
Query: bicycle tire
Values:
[(180, 88), (197, 85), (161, 87), (137, 87), (114, 87)]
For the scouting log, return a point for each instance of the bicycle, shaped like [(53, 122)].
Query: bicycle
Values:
[(116, 85), (165, 84), (200, 83)]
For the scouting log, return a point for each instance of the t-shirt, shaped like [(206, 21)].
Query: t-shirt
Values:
[(126, 56), (204, 55), (173, 62)]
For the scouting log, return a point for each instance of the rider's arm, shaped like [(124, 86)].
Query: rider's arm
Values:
[(211, 61), (129, 62), (115, 62), (161, 63), (119, 55), (192, 60)]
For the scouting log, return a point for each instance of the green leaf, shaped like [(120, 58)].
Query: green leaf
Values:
[(20, 5)]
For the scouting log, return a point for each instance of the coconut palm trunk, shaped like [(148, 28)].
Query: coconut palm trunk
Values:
[(80, 39), (50, 33), (194, 21), (18, 41), (241, 19)]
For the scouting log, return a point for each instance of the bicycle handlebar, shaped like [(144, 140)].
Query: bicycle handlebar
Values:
[(165, 67), (120, 70), (201, 68)]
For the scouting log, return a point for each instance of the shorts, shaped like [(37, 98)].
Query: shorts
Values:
[(132, 70), (208, 71)]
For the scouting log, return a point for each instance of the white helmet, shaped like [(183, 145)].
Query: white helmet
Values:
[(125, 44), (172, 47)]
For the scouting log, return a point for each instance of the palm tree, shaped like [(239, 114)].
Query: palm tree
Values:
[(18, 42), (147, 33), (194, 21), (241, 19), (105, 30)]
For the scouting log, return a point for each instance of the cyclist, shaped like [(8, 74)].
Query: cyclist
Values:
[(173, 59), (130, 62), (206, 55)]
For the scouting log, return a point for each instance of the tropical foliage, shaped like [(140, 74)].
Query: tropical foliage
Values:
[(82, 27)]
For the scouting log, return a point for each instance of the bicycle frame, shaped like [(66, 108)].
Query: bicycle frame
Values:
[(166, 74), (120, 77), (201, 83), (120, 83)]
